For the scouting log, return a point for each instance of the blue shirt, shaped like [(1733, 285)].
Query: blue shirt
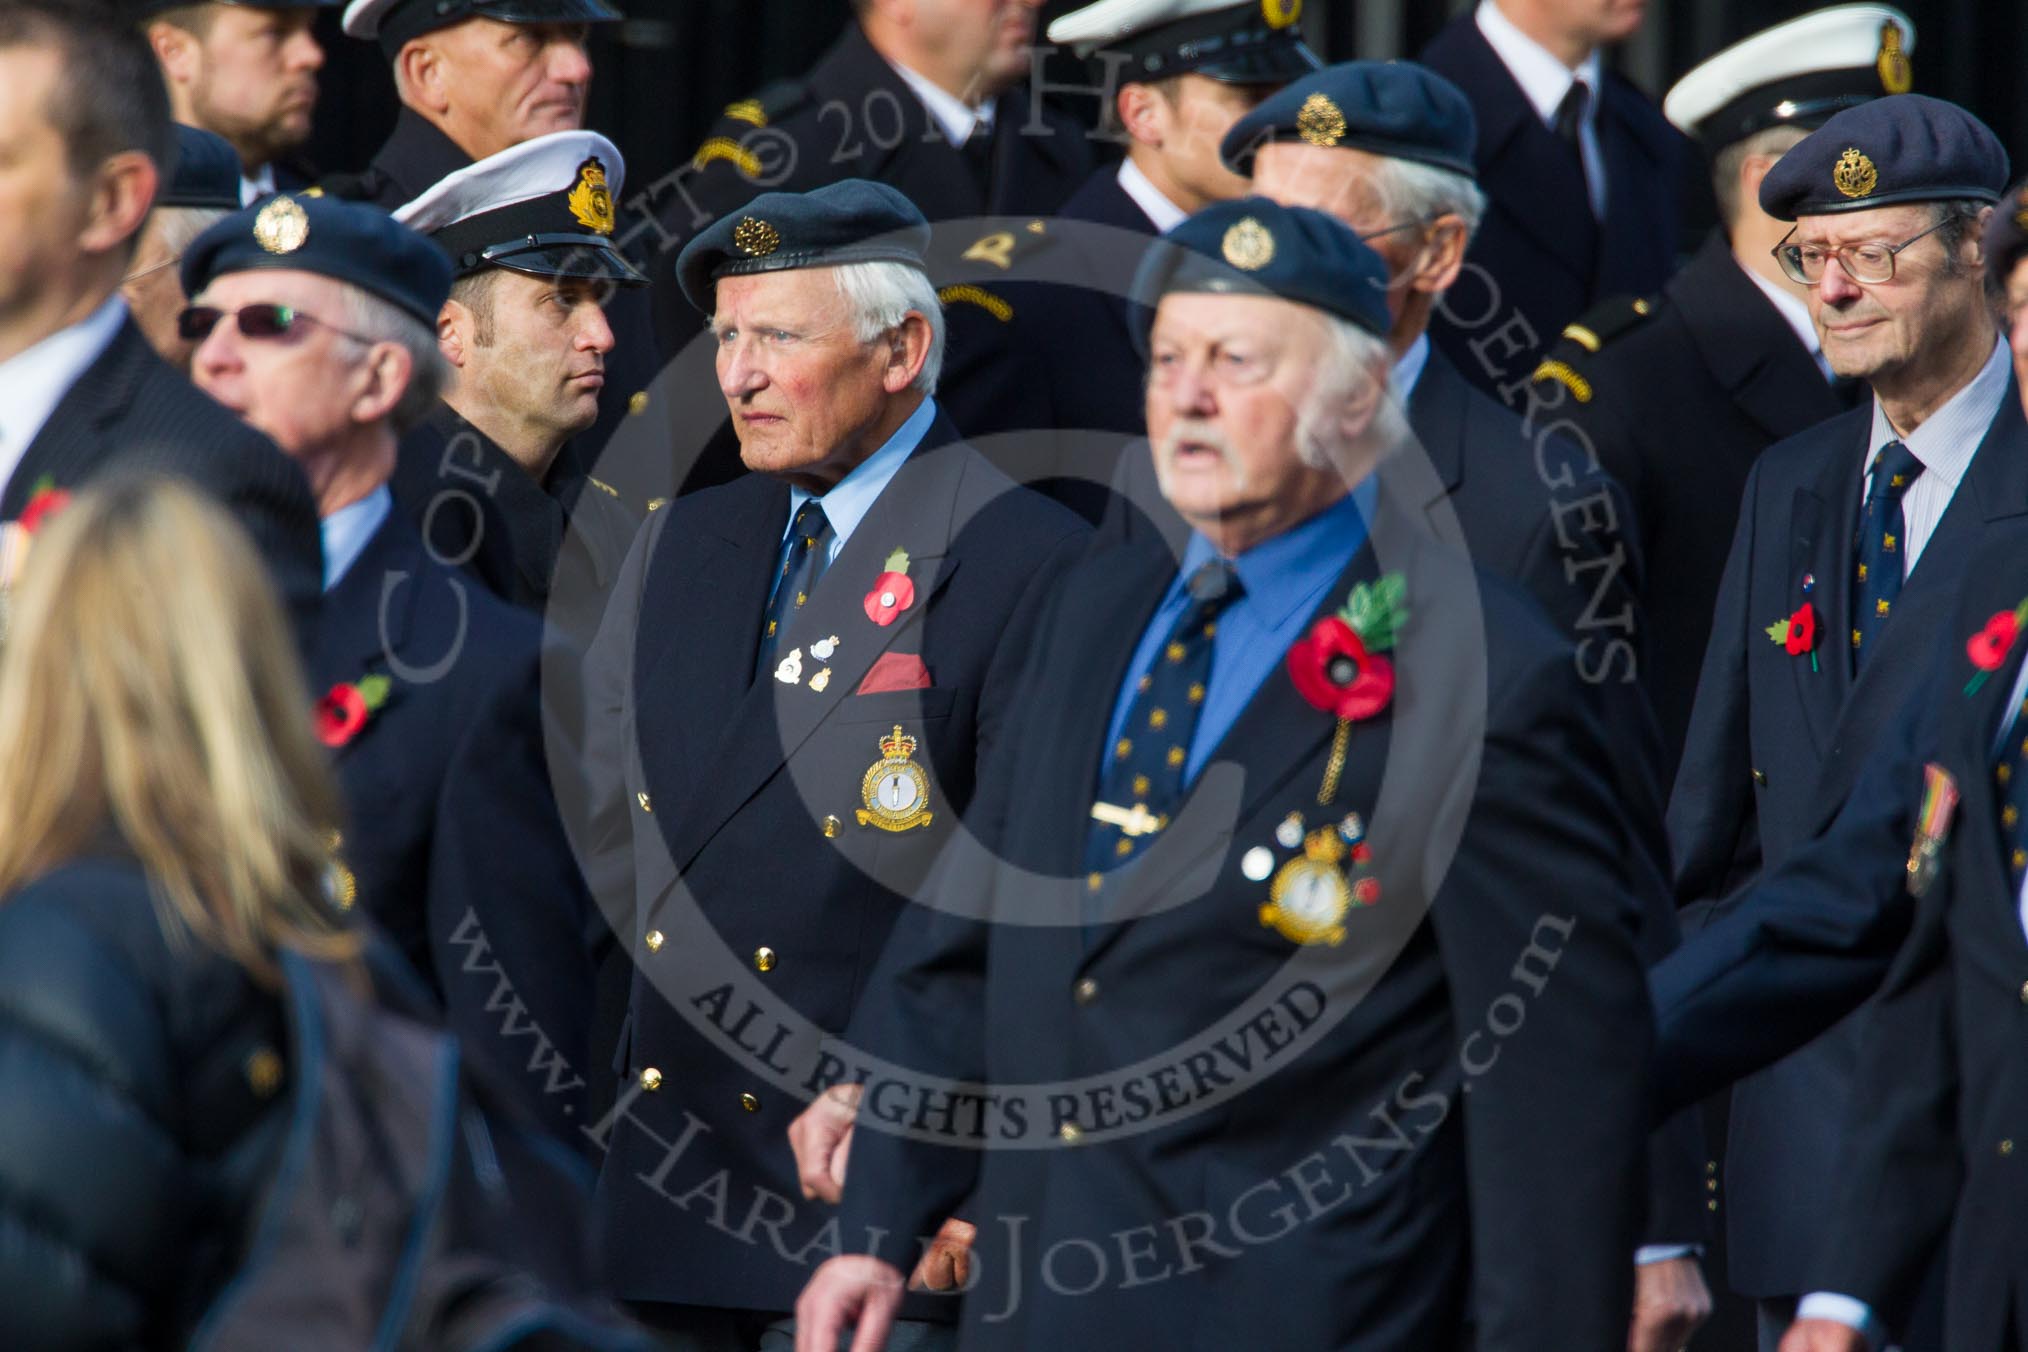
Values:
[(851, 498), (347, 530), (1285, 580)]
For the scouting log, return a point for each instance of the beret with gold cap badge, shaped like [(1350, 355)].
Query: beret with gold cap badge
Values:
[(1398, 109), (359, 245), (1901, 148), (852, 221)]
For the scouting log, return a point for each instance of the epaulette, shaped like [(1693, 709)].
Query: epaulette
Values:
[(1586, 336), (1001, 250), (770, 105)]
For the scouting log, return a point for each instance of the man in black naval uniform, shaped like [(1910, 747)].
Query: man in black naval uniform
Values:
[(1385, 147), (475, 78), (1252, 850), (1187, 70), (927, 97), (1582, 173), (492, 478), (1852, 537), (314, 322), (792, 686), (1729, 338), (244, 71)]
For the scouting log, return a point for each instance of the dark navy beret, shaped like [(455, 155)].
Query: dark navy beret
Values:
[(1393, 108), (1255, 246), (206, 173), (396, 23), (342, 240), (852, 221), (2007, 232), (1901, 148)]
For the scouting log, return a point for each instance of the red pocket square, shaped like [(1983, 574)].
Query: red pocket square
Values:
[(895, 671)]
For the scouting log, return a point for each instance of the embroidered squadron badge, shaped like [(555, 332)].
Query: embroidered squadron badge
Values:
[(282, 226), (895, 789), (341, 886), (1248, 246), (1319, 122), (756, 238), (1311, 895), (591, 201), (1854, 174)]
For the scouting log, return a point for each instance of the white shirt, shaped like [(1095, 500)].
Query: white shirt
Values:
[(1134, 183), (1796, 311), (253, 187), (1945, 444), (347, 530), (953, 116), (848, 501), (34, 382), (1544, 81)]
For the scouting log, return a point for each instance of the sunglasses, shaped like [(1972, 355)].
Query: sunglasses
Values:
[(264, 321)]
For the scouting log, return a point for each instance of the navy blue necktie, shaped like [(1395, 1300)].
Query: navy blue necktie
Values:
[(804, 556), (1141, 783), (1883, 544)]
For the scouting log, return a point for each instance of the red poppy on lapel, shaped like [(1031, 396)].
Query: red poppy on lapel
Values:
[(1989, 647), (1333, 671), (892, 591), (1798, 633), (346, 707)]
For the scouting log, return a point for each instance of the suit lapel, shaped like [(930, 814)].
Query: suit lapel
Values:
[(1522, 160), (1436, 414), (1822, 519), (72, 442), (367, 618), (1995, 488), (1278, 736), (770, 719)]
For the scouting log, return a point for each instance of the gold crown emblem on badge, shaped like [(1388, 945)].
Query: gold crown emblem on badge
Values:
[(897, 745), (1854, 174), (756, 238), (1248, 245), (1320, 123), (281, 227), (1896, 75), (1325, 846), (1281, 13), (591, 201)]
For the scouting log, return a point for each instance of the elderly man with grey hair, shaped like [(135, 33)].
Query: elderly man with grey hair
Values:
[(202, 191), (314, 320), (793, 684), (1387, 149)]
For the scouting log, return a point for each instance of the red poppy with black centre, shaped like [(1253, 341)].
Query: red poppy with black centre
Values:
[(1333, 671)]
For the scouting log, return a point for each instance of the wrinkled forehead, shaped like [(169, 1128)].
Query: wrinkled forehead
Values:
[(1889, 225), (1210, 317), (791, 298)]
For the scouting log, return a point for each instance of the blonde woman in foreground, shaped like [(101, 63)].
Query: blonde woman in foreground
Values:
[(163, 804)]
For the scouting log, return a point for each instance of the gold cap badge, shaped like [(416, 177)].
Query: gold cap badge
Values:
[(1248, 245), (591, 202), (1854, 174), (1896, 75), (281, 226), (756, 238), (1320, 123), (1281, 13)]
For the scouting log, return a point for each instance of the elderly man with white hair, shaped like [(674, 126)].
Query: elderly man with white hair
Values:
[(1230, 977), (314, 321), (795, 678)]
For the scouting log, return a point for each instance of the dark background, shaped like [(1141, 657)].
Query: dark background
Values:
[(664, 75)]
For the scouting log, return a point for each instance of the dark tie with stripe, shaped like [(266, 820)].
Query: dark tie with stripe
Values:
[(1141, 783), (1883, 544), (804, 556)]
